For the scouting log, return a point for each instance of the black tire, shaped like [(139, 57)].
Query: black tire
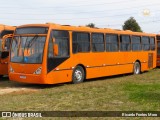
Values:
[(136, 68), (78, 75), (1, 76)]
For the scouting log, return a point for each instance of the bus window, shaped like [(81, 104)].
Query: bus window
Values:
[(97, 42), (50, 49), (136, 43), (28, 49), (145, 43), (62, 40), (81, 42), (112, 42), (32, 30), (7, 44), (125, 43), (152, 43)]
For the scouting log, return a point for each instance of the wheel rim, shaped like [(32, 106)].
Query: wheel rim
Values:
[(78, 75), (137, 69)]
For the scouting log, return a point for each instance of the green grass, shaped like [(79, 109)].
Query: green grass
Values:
[(146, 92), (118, 93)]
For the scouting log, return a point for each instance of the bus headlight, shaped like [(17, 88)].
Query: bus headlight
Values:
[(38, 71), (11, 69)]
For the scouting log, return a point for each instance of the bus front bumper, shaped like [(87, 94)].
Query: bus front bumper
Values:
[(26, 78)]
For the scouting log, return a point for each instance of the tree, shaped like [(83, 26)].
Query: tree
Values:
[(91, 25), (131, 24)]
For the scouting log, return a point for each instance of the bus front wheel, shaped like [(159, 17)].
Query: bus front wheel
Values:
[(137, 68), (78, 75)]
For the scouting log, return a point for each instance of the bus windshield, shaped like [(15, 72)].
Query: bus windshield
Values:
[(27, 49)]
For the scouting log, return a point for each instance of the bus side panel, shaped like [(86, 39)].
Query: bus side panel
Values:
[(143, 58), (109, 70), (63, 72), (108, 63), (61, 76)]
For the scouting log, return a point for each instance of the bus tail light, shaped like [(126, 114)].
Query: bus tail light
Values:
[(38, 71), (11, 69)]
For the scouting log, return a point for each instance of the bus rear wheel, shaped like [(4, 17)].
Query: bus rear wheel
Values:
[(78, 75), (137, 68)]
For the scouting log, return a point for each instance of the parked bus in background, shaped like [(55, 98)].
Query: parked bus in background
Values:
[(51, 53), (5, 40), (158, 50)]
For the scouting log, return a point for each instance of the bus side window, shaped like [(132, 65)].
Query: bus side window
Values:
[(112, 42), (145, 43), (97, 42), (136, 43), (62, 42), (152, 43), (80, 42), (125, 43), (50, 48)]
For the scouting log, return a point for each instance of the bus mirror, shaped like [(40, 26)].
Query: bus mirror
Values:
[(55, 49)]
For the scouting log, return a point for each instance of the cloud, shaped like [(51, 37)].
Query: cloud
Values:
[(81, 12)]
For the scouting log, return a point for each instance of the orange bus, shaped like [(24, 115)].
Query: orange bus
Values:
[(158, 50), (52, 53), (5, 40)]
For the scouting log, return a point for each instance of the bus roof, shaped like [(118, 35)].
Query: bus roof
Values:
[(6, 27), (86, 29)]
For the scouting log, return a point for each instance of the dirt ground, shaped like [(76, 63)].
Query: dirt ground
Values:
[(7, 87), (15, 90)]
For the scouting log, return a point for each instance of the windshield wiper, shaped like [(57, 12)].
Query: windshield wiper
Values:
[(16, 42), (30, 42)]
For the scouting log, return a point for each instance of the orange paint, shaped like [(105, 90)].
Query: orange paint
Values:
[(4, 58), (95, 64)]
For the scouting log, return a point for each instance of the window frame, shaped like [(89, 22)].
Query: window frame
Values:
[(104, 49), (132, 43), (89, 35), (112, 43), (154, 44), (122, 43), (145, 43), (54, 43)]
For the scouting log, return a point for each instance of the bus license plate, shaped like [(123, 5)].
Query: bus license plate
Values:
[(22, 77)]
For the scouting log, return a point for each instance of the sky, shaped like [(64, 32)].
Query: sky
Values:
[(103, 13)]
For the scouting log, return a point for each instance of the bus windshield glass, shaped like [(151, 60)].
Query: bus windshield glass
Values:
[(27, 49)]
